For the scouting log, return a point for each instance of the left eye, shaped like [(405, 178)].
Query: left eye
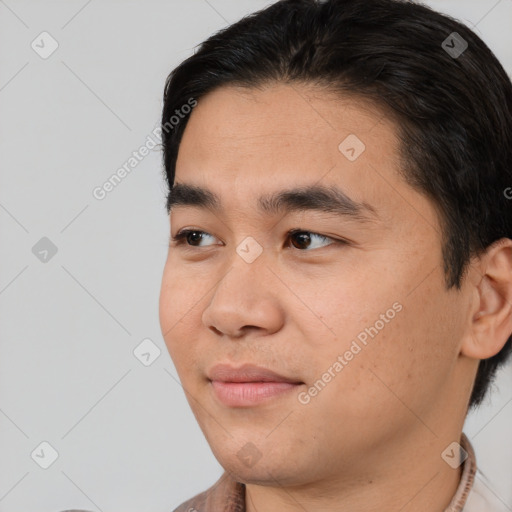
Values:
[(302, 239), (306, 237)]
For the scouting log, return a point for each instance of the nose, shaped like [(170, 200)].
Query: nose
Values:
[(246, 298)]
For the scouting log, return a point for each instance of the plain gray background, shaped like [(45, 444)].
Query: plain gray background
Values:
[(125, 436)]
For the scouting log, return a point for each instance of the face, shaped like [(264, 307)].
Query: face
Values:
[(351, 305)]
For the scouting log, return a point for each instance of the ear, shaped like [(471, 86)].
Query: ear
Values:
[(491, 310)]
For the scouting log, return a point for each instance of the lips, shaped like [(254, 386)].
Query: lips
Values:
[(247, 373), (249, 385)]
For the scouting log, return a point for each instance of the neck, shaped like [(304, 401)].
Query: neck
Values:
[(406, 476)]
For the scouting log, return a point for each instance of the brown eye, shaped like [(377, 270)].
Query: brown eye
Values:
[(193, 236), (190, 237), (303, 239)]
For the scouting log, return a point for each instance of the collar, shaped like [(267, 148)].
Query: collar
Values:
[(228, 495)]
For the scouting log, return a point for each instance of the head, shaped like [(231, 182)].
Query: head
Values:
[(344, 170)]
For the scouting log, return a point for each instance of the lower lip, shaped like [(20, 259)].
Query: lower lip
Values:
[(245, 394)]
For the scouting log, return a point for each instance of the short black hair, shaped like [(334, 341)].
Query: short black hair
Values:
[(449, 96)]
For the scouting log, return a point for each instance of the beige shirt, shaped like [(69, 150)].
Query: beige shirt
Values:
[(472, 495)]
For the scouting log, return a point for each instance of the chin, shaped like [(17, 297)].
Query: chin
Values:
[(256, 475), (248, 465)]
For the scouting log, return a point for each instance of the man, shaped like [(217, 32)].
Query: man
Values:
[(338, 288)]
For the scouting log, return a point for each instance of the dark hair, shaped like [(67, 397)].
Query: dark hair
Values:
[(452, 104)]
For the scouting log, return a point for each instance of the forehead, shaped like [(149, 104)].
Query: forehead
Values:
[(232, 123), (242, 143)]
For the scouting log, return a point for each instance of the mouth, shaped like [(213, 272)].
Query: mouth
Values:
[(248, 394), (249, 385)]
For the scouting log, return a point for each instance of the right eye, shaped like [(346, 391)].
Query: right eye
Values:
[(190, 237)]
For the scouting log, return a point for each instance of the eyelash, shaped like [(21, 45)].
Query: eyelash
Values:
[(180, 238)]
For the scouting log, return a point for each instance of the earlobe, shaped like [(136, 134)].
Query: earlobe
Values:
[(491, 320)]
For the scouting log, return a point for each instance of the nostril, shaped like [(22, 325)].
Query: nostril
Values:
[(215, 330)]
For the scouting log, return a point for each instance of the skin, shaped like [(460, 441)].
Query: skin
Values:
[(372, 438)]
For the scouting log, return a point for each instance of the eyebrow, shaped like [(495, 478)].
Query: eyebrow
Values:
[(309, 198)]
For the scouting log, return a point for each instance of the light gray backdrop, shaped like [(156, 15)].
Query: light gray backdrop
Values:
[(80, 275)]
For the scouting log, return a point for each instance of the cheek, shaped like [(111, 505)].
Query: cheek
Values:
[(383, 328), (346, 304), (167, 301), (410, 360), (182, 294), (178, 303)]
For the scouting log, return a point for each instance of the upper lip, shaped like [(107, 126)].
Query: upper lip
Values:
[(246, 373)]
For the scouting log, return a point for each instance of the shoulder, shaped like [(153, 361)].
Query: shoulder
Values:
[(195, 504), (483, 497), (226, 494)]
